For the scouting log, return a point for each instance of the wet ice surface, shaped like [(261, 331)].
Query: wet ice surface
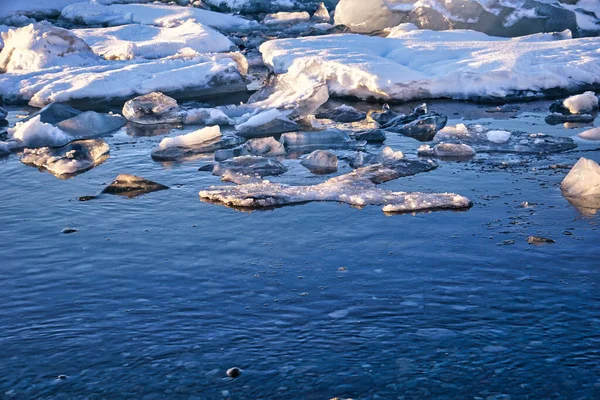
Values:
[(159, 295)]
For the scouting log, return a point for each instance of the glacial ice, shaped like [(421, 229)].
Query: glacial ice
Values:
[(321, 161), (130, 41), (152, 14), (421, 124), (76, 157), (132, 186), (90, 123), (266, 147), (253, 166), (590, 134), (317, 140), (283, 18), (421, 64), (357, 188), (54, 113), (480, 139), (342, 113), (193, 144), (152, 108), (193, 138), (447, 150)]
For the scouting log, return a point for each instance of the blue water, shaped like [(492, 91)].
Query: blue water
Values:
[(157, 296)]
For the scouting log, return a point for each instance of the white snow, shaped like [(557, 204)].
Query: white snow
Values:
[(581, 103), (590, 134), (498, 136), (42, 45), (420, 64), (583, 179), (286, 18), (135, 40), (152, 14), (35, 133), (200, 136)]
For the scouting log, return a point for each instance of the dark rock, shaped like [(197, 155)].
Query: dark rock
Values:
[(132, 186), (539, 240)]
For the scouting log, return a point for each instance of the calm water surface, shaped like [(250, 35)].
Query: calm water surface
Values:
[(155, 297)]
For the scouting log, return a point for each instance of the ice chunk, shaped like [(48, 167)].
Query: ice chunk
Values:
[(366, 16), (267, 123), (91, 123), (282, 18), (421, 64), (193, 144), (477, 137), (498, 136), (581, 103), (152, 14), (132, 186), (206, 116), (590, 134), (357, 188), (152, 108), (135, 40), (193, 138), (420, 124), (250, 166), (321, 14), (54, 113), (266, 147), (327, 139), (583, 179), (371, 135), (447, 150), (35, 133), (76, 157), (42, 45), (394, 160), (321, 161), (342, 113)]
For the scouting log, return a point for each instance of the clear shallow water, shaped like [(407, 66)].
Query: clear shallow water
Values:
[(155, 297)]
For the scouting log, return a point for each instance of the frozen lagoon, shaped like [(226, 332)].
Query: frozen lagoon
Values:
[(160, 294)]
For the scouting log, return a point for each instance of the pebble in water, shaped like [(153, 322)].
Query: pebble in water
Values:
[(234, 372), (69, 230)]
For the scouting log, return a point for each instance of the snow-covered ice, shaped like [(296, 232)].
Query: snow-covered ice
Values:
[(199, 136), (73, 158), (357, 188), (422, 64), (267, 123), (581, 103), (130, 41), (193, 144), (152, 14), (35, 133)]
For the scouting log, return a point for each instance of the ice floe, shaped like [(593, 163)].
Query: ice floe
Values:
[(421, 64), (251, 166), (485, 140), (282, 18), (76, 157), (90, 123), (357, 188), (58, 75), (193, 144), (321, 162), (35, 133), (130, 41), (151, 14), (327, 139), (447, 150)]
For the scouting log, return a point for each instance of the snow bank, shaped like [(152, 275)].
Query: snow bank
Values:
[(200, 136), (152, 14), (35, 133), (130, 41), (428, 64), (581, 103), (42, 45)]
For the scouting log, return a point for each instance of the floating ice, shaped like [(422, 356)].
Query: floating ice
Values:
[(132, 186), (447, 150), (327, 139), (357, 188), (282, 18), (91, 123), (193, 138), (581, 186), (267, 123), (498, 136), (152, 108), (151, 14), (342, 113), (371, 135), (76, 157), (392, 159), (35, 133), (423, 64), (420, 124), (54, 113), (590, 134), (266, 147), (135, 40), (253, 166), (581, 103), (194, 144), (321, 161)]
